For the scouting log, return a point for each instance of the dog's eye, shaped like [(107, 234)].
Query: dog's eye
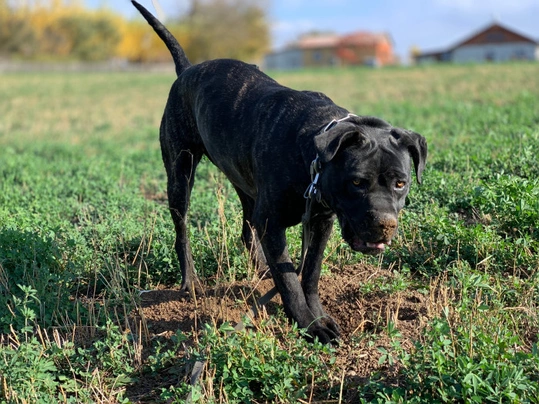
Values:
[(400, 184), (360, 183)]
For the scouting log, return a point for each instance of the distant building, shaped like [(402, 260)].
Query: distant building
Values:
[(366, 48), (495, 43), (307, 51), (319, 50)]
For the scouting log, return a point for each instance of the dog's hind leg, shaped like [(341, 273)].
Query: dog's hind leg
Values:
[(249, 237), (181, 177)]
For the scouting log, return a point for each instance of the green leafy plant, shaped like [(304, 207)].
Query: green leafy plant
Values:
[(463, 356), (256, 365)]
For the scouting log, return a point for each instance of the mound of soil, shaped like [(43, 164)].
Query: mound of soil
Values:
[(362, 317)]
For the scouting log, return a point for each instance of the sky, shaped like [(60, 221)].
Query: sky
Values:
[(428, 25)]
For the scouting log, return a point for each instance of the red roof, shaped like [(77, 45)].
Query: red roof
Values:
[(363, 38), (316, 41)]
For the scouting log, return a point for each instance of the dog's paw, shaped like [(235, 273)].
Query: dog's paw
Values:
[(192, 289), (328, 322), (326, 334)]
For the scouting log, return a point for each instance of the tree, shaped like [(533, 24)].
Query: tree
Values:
[(91, 38), (52, 29), (227, 29), (64, 29), (16, 32)]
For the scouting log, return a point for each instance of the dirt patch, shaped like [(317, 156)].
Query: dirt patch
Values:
[(363, 317)]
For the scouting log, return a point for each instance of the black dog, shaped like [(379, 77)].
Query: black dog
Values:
[(278, 147)]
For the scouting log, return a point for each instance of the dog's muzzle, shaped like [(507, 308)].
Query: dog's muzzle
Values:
[(372, 236)]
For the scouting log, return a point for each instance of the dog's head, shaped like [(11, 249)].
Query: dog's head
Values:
[(365, 177)]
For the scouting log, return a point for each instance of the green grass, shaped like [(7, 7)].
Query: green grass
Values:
[(84, 226)]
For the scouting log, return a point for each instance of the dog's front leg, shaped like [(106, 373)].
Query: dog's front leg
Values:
[(288, 285), (316, 234)]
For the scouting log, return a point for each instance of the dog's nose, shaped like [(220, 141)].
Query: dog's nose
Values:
[(386, 225)]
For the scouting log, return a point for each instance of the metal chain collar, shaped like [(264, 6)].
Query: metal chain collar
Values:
[(313, 191)]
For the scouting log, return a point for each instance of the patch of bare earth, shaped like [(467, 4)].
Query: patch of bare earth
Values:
[(363, 319)]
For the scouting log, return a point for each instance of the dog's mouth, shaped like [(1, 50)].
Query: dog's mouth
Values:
[(367, 242), (367, 247)]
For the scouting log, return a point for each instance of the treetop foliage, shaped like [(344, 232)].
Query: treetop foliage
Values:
[(66, 30)]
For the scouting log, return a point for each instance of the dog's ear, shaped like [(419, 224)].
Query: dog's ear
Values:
[(417, 147), (328, 143)]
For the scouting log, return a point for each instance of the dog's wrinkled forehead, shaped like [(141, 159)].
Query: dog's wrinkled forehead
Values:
[(367, 136), (369, 140), (388, 140), (376, 149)]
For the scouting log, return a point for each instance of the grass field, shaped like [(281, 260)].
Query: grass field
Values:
[(84, 228)]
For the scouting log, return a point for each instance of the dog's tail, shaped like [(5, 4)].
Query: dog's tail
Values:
[(178, 55)]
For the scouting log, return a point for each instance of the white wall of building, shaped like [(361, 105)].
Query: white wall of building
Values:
[(495, 52), (285, 59)]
